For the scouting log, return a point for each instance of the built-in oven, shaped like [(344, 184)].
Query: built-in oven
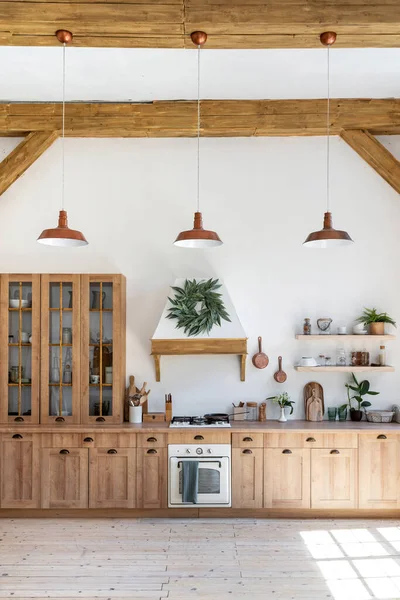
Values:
[(213, 478)]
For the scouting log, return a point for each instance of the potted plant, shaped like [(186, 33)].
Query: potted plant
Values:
[(283, 401), (376, 321), (362, 389)]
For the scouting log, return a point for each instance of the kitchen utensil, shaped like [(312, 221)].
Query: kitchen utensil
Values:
[(238, 413), (307, 361), (251, 411), (260, 360), (135, 414), (280, 376), (379, 416), (95, 379), (342, 330), (14, 374), (324, 325), (168, 407), (132, 387), (70, 299), (24, 337), (332, 413), (313, 391), (96, 300), (14, 303), (262, 413)]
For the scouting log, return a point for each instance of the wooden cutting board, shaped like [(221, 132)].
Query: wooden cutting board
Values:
[(314, 405)]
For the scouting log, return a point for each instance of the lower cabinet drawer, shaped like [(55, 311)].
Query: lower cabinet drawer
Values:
[(247, 440), (64, 482), (311, 440), (199, 437), (152, 440)]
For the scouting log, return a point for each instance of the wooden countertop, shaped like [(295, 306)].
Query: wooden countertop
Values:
[(237, 427)]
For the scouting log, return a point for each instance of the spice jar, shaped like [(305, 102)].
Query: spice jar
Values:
[(251, 408), (382, 356), (307, 327), (67, 335), (262, 412)]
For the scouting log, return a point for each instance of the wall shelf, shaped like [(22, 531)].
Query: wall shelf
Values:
[(344, 337), (348, 369), (182, 347)]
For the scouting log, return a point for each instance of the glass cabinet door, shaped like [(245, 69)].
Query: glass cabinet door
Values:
[(60, 327), (20, 348), (103, 347)]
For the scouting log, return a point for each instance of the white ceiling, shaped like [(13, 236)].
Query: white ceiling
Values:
[(34, 74)]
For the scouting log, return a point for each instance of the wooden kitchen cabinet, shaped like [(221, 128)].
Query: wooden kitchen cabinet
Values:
[(379, 470), (103, 310), (287, 477), (334, 478), (19, 348), (112, 477), (20, 471), (64, 482), (152, 477), (247, 477)]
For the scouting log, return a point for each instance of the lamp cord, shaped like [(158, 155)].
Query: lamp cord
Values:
[(328, 200), (198, 128), (63, 130)]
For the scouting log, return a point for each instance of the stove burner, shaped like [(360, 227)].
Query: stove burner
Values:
[(217, 419)]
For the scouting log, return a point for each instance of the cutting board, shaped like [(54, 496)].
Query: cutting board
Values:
[(314, 406)]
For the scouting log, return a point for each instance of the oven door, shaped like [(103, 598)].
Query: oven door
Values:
[(214, 482)]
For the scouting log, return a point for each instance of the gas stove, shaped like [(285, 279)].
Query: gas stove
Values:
[(212, 420)]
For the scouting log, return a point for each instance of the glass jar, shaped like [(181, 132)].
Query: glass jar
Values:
[(251, 409), (307, 327), (382, 356), (341, 357), (67, 335)]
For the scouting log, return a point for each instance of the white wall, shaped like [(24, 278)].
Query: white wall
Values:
[(263, 196)]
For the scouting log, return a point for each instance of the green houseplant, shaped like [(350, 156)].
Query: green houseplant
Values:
[(376, 321), (361, 389), (283, 400)]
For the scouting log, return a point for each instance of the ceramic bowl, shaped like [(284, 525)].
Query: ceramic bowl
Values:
[(307, 361), (15, 303)]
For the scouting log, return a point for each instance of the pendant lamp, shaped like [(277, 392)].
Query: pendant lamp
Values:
[(198, 237), (62, 235), (328, 237)]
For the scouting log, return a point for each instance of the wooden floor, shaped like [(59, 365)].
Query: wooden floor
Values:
[(202, 559)]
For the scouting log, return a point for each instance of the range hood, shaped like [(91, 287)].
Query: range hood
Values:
[(229, 338)]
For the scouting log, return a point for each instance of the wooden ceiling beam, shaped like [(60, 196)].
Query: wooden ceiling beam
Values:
[(229, 24), (375, 154), (219, 118), (23, 156)]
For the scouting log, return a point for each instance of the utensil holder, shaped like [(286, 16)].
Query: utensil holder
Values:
[(135, 414), (239, 413)]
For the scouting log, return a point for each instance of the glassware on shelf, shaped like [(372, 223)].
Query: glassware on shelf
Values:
[(328, 361), (382, 356), (332, 413), (67, 335), (342, 413), (307, 327), (321, 360), (55, 371), (14, 374), (341, 357), (67, 375)]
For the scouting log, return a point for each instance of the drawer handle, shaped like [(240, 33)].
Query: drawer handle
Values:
[(19, 419), (151, 451), (247, 451), (60, 419), (310, 439), (381, 437), (17, 436), (151, 439), (88, 439), (100, 419), (112, 451), (287, 451), (199, 437), (64, 451), (247, 439), (334, 452)]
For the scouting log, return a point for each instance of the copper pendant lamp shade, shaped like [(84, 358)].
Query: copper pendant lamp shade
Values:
[(62, 235), (328, 237), (198, 237)]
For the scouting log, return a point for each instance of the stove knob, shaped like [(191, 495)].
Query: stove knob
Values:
[(187, 450), (209, 451), (199, 450)]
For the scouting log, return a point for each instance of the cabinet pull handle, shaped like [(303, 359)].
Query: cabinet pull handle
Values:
[(381, 437), (19, 419), (199, 437), (17, 436), (60, 419), (286, 451), (247, 451), (88, 439), (151, 439), (151, 451), (100, 419), (64, 451), (112, 451), (334, 452), (310, 439), (247, 439)]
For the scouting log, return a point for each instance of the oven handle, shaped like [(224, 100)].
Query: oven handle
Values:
[(204, 461)]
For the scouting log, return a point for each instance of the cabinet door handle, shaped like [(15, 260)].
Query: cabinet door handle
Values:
[(381, 437), (112, 451), (17, 436), (88, 439), (199, 437), (334, 452), (310, 439), (19, 419), (151, 451), (151, 439), (247, 439), (100, 419), (64, 451), (247, 451), (286, 451), (60, 419)]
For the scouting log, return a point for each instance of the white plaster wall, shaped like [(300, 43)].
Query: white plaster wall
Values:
[(263, 196)]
